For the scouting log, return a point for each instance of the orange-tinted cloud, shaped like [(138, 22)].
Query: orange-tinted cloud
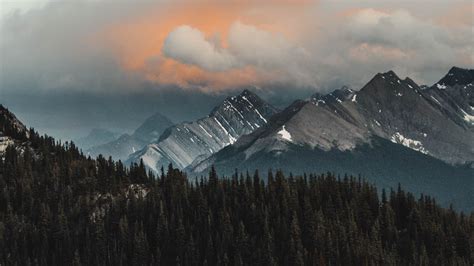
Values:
[(169, 71), (458, 15), (138, 39)]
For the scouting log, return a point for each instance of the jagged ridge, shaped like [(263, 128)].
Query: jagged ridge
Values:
[(186, 143)]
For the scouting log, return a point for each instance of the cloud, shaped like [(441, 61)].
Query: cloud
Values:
[(98, 53), (270, 54), (52, 47), (399, 40), (190, 46), (355, 44), (325, 44), (259, 47)]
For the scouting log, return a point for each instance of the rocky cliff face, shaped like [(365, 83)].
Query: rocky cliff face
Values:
[(12, 131), (430, 121), (188, 143), (390, 131)]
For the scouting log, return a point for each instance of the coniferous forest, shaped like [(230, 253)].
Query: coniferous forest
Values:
[(58, 207)]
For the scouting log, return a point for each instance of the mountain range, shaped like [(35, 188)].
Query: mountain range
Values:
[(120, 148), (391, 131), (190, 142)]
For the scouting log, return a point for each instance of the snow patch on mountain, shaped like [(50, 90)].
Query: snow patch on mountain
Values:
[(467, 117), (441, 86), (284, 134), (354, 98), (5, 141), (231, 138), (407, 142), (261, 117)]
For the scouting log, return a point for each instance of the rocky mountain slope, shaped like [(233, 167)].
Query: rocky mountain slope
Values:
[(399, 110), (454, 96), (191, 142), (12, 131), (126, 144), (389, 131)]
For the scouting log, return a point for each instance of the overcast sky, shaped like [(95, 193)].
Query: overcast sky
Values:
[(67, 66)]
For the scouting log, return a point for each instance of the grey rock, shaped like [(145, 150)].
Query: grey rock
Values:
[(389, 131), (183, 144)]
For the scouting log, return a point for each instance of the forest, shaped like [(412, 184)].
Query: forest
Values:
[(60, 207)]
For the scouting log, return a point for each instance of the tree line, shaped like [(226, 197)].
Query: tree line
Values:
[(59, 207)]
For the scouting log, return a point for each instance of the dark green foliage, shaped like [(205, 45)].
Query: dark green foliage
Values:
[(58, 207)]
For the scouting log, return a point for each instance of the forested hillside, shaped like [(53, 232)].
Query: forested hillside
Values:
[(58, 207)]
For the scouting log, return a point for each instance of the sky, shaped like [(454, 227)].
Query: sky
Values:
[(67, 66)]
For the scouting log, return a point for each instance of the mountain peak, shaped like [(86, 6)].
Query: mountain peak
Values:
[(244, 102), (389, 81), (384, 88), (456, 69), (343, 93), (338, 95), (184, 143), (390, 75), (10, 125), (456, 76), (152, 128), (246, 92), (247, 95)]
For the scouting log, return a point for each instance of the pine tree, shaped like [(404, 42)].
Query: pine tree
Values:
[(296, 251)]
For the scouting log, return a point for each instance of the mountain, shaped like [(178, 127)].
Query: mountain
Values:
[(399, 110), (389, 131), (457, 76), (454, 96), (120, 148), (59, 207), (191, 142), (152, 128), (97, 136), (12, 131)]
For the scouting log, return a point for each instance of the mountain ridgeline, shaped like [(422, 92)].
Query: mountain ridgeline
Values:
[(120, 148), (191, 142), (59, 207), (96, 136), (390, 131)]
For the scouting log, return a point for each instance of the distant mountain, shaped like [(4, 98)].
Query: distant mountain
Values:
[(191, 142), (152, 128), (389, 131), (120, 148), (97, 136)]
